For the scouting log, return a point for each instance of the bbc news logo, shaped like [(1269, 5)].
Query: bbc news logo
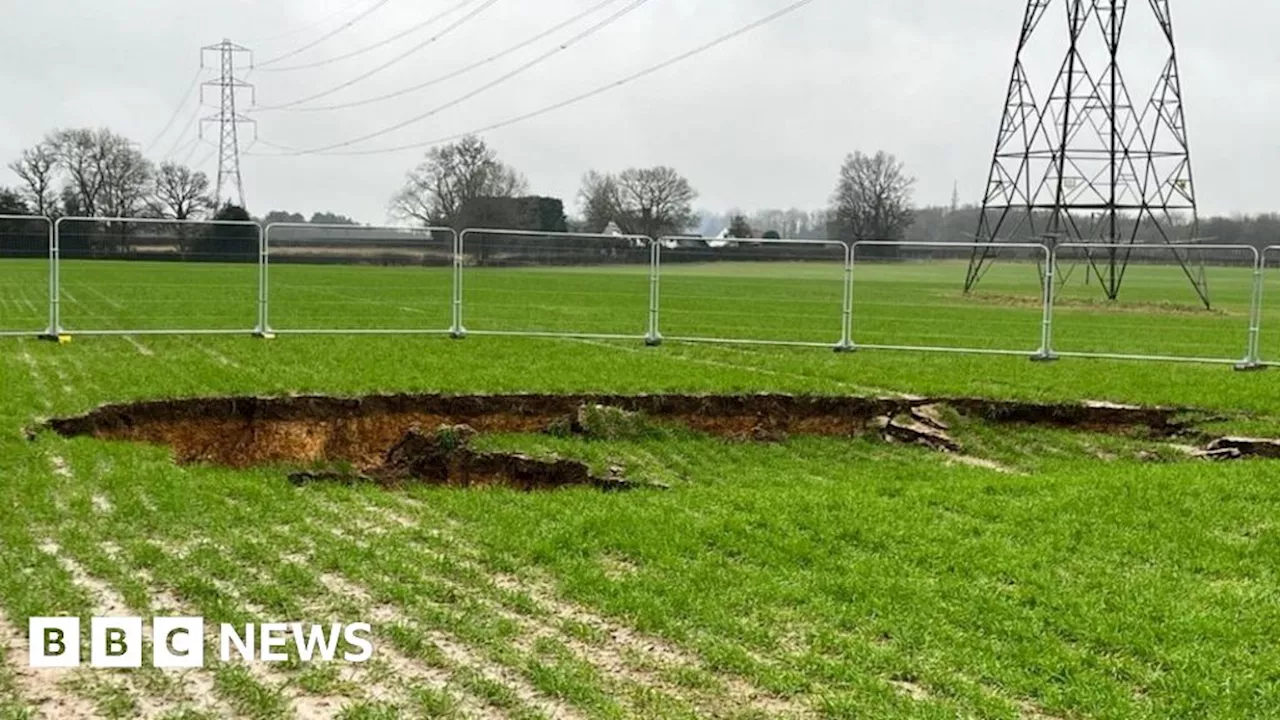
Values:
[(179, 642)]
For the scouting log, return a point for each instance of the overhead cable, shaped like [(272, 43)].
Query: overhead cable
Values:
[(376, 46), (525, 67), (332, 33), (399, 58), (311, 25), (460, 71), (186, 97)]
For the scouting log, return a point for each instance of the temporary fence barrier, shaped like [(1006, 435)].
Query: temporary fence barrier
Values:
[(201, 277), (910, 296), (1267, 343), (584, 285), (27, 282), (138, 276), (752, 291), (357, 279), (1211, 290)]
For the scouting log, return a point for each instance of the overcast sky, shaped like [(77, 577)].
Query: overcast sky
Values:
[(761, 122)]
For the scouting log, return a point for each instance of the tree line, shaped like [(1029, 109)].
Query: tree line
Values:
[(466, 184)]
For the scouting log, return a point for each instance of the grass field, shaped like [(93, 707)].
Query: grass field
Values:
[(806, 578), (911, 304)]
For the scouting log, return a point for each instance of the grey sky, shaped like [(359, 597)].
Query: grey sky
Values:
[(761, 122)]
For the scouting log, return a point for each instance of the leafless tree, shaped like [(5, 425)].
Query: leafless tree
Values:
[(657, 201), (107, 176), (180, 193), (873, 198), (600, 200), (37, 168), (650, 201), (451, 176)]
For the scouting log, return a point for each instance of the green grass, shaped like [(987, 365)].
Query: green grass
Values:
[(838, 578), (911, 304)]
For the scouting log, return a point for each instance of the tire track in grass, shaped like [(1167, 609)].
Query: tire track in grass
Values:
[(38, 380), (202, 346), (428, 631), (122, 694), (115, 304), (415, 678), (143, 350), (100, 569), (33, 692), (619, 657), (619, 641), (459, 657), (388, 681)]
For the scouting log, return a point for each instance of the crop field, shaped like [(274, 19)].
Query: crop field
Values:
[(906, 304), (1042, 572)]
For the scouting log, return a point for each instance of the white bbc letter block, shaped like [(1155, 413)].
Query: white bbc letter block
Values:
[(116, 642), (177, 642), (272, 637), (55, 642)]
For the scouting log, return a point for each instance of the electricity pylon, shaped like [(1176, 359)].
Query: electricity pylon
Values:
[(228, 118)]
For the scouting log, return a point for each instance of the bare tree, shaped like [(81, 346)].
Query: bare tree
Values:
[(107, 176), (180, 193), (601, 201), (451, 176), (657, 201), (873, 198), (127, 178), (651, 201), (37, 168)]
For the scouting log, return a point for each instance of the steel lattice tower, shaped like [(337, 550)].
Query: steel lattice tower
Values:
[(1084, 163), (228, 119)]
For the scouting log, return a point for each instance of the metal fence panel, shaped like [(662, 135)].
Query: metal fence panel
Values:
[(1159, 314), (1268, 313), (132, 276), (353, 279), (752, 291), (513, 282), (26, 275), (910, 296)]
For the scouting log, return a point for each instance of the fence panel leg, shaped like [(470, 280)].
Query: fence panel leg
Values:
[(456, 329), (1252, 360), (846, 314), (1046, 333), (653, 338)]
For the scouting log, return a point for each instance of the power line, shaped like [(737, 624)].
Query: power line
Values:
[(188, 147), (575, 99), (191, 124), (635, 4), (370, 48), (345, 26), (311, 25), (204, 161), (186, 97), (460, 71), (454, 26)]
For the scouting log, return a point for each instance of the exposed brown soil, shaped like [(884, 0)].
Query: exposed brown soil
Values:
[(445, 457), (246, 432)]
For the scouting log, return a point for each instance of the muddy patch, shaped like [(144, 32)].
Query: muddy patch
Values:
[(394, 439), (445, 457)]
